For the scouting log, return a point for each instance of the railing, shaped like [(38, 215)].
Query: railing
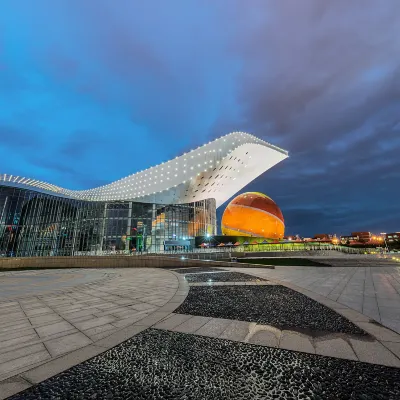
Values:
[(225, 252)]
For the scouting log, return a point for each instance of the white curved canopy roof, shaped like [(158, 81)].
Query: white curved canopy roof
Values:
[(217, 170)]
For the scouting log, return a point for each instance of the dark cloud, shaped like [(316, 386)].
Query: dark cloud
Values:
[(322, 80), (18, 138), (111, 90), (79, 144)]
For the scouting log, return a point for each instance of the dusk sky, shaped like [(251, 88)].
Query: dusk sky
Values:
[(93, 90)]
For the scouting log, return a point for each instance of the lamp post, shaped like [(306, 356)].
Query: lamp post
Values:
[(384, 240)]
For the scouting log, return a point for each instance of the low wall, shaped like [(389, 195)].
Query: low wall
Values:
[(252, 254), (110, 262), (295, 253)]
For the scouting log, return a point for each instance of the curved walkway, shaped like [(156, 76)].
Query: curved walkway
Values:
[(372, 291), (91, 311), (381, 345), (46, 334), (20, 284), (245, 336)]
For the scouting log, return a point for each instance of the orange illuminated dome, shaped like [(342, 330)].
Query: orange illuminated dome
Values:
[(253, 214)]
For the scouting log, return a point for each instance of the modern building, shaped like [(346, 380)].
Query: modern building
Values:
[(392, 238), (362, 237), (160, 208)]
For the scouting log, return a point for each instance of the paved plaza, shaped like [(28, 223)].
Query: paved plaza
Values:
[(373, 291), (86, 306), (237, 332)]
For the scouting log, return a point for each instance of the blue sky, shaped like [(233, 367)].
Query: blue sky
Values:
[(91, 91)]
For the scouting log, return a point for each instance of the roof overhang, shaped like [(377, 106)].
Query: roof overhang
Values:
[(218, 170)]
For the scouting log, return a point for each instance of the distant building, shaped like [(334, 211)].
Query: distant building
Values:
[(393, 237), (363, 237), (323, 237), (348, 239), (295, 238)]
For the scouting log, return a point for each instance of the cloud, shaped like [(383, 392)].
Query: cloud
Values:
[(18, 138), (111, 90)]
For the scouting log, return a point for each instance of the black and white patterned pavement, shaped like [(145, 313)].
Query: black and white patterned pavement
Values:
[(266, 304), (158, 364), (222, 277), (162, 364)]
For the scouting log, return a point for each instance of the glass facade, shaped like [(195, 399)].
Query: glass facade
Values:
[(38, 224)]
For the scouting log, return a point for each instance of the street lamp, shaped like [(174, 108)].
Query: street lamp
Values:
[(208, 236), (384, 240)]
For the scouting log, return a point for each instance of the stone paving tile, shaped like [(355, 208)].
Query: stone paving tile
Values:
[(296, 341), (142, 307), (55, 328), (15, 327), (192, 324), (12, 385), (131, 320), (192, 270), (12, 317), (67, 343), (125, 302), (38, 311), (45, 319), (16, 334), (153, 318), (78, 314), (17, 363), (394, 347), (91, 323), (102, 335), (30, 304), (372, 313), (172, 321), (111, 311), (158, 303), (5, 305), (374, 352), (130, 313), (336, 347), (98, 329), (51, 313), (390, 313), (68, 309), (170, 306), (213, 328), (380, 332), (394, 325), (81, 319), (237, 331), (264, 338), (9, 310), (7, 344), (353, 315), (23, 351)]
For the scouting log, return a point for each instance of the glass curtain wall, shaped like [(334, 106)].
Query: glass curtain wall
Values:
[(38, 224)]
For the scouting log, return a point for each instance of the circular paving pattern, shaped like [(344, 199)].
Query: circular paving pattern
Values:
[(24, 283)]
